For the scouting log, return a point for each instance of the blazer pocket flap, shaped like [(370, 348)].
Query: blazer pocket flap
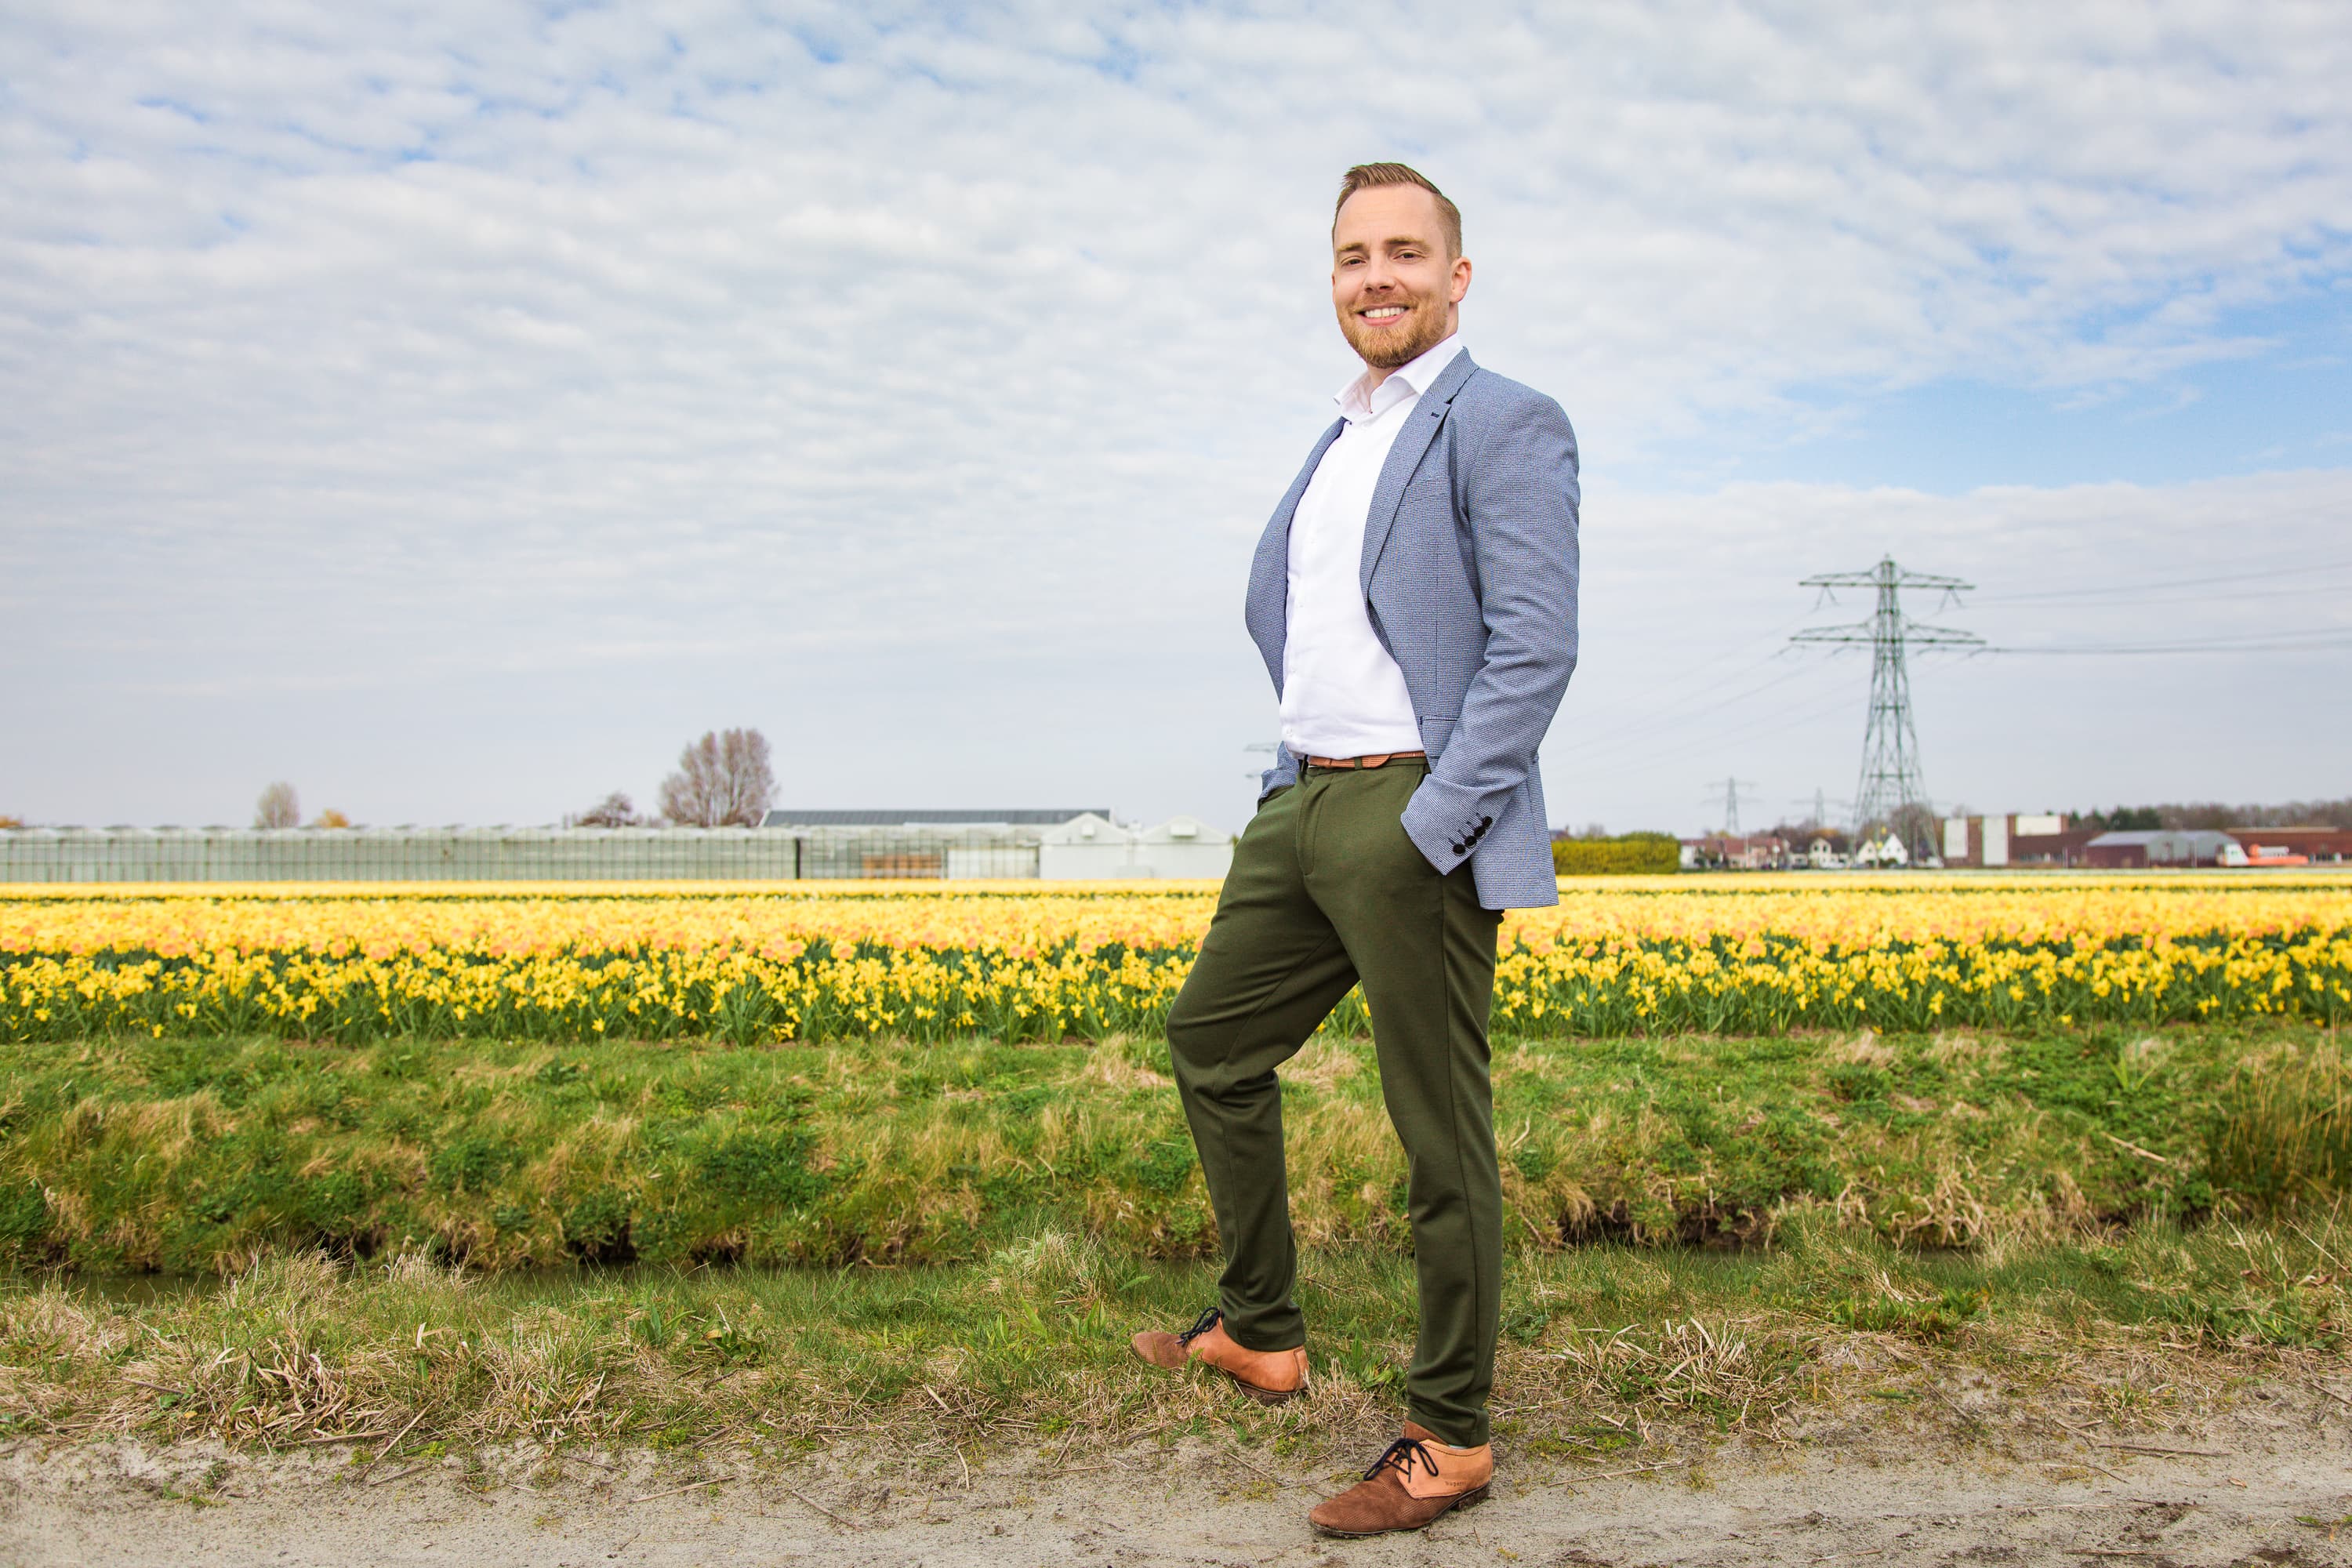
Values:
[(1434, 733)]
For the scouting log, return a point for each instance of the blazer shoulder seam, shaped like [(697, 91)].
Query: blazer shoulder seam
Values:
[(1529, 404), (1506, 398)]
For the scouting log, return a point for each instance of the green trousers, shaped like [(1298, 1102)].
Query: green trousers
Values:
[(1325, 891)]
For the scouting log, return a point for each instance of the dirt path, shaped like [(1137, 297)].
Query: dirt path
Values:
[(1834, 1498)]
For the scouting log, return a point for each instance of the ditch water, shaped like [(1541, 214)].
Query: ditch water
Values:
[(135, 1289), (121, 1290)]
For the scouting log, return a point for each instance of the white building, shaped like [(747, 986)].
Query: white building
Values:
[(1885, 850), (1087, 848), (2020, 838), (1184, 846), (1091, 848)]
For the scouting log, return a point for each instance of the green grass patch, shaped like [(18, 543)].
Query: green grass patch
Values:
[(200, 1155)]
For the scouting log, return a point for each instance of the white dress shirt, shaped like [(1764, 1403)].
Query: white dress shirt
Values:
[(1342, 695)]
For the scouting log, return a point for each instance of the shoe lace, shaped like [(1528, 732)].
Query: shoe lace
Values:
[(1208, 1320), (1404, 1453)]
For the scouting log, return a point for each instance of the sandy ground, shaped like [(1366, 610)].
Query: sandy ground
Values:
[(2272, 1485)]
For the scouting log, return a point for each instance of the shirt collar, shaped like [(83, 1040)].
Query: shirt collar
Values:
[(1407, 380)]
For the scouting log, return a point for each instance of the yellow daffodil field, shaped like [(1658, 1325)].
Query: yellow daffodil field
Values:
[(512, 1079), (812, 962)]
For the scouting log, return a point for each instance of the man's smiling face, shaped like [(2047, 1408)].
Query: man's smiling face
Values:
[(1392, 281)]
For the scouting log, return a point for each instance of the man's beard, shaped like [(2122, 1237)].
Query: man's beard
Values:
[(1424, 325)]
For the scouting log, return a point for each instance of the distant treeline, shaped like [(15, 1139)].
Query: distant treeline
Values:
[(1628, 854), (2215, 813)]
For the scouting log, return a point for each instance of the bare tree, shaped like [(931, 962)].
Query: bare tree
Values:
[(1915, 823), (277, 808), (723, 779), (615, 810)]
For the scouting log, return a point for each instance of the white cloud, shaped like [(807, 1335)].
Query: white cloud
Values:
[(909, 400)]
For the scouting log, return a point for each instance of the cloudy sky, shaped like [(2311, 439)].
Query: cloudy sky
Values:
[(452, 408)]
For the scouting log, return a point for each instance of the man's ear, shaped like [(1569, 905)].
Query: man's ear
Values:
[(1461, 281)]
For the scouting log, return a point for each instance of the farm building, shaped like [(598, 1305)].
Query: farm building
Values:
[(1055, 845), (1093, 848), (1736, 852), (1086, 849), (2023, 838), (788, 847), (955, 844), (2135, 847), (1184, 846), (394, 855), (2313, 843)]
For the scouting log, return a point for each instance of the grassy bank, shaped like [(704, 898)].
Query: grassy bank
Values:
[(1027, 1343), (205, 1155)]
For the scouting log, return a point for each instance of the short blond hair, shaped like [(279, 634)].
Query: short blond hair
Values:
[(1367, 176)]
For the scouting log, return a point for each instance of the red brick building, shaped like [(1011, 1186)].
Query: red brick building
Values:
[(1753, 852), (2022, 838), (2141, 847), (2316, 844)]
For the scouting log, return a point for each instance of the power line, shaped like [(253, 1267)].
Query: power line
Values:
[(2311, 639), (1673, 719), (2121, 589), (1657, 709), (2097, 598), (1730, 788), (1891, 760), (1891, 776), (1820, 800), (1713, 740)]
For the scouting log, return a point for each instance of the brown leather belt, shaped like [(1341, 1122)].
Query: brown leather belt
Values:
[(1380, 761)]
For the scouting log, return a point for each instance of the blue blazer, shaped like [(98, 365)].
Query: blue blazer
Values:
[(1469, 575)]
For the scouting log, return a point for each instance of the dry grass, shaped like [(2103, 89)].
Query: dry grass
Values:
[(1113, 1069), (1958, 1048), (1326, 1062), (1731, 1371), (1863, 1049), (2288, 1131), (1601, 1347)]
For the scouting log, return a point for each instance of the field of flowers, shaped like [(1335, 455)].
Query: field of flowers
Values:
[(814, 961)]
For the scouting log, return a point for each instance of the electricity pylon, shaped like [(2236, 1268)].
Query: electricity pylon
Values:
[(1730, 788), (1891, 776), (1821, 802)]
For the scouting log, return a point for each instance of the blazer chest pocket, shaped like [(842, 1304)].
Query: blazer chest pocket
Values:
[(1434, 732)]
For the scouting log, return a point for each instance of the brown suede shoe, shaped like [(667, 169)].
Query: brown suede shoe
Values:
[(1409, 1487), (1267, 1376)]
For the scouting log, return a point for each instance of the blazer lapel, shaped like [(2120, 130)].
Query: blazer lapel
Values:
[(1266, 612), (1405, 455)]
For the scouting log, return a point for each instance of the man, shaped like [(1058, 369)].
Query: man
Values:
[(1415, 600)]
